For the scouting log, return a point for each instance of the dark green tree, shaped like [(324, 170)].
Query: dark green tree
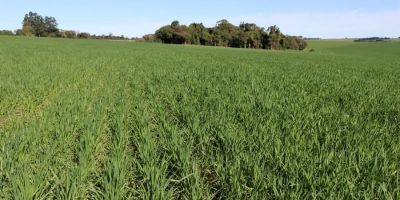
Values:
[(246, 35), (251, 35), (199, 34), (34, 23), (223, 33), (175, 24), (165, 34), (173, 34), (275, 37), (6, 32), (51, 26), (19, 32), (83, 35)]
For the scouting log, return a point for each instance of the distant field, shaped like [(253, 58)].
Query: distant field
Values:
[(88, 119), (360, 49)]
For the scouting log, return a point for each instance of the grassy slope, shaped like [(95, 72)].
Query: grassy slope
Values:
[(100, 119)]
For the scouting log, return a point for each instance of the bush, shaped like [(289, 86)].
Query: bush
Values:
[(19, 32), (6, 32), (84, 35)]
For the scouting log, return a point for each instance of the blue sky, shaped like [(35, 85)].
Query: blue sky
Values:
[(310, 18)]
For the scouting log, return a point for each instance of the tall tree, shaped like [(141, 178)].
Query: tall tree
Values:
[(174, 33), (246, 35), (275, 37), (199, 34), (252, 35), (51, 26), (36, 22), (27, 30), (224, 32), (165, 34)]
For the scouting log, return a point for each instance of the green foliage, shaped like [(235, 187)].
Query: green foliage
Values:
[(199, 34), (88, 119), (173, 34), (275, 38), (251, 36), (69, 34), (6, 32), (35, 24), (50, 26), (19, 32), (83, 35), (28, 30), (246, 35), (150, 38), (224, 33)]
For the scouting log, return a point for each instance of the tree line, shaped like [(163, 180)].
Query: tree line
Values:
[(246, 35), (34, 24), (372, 39)]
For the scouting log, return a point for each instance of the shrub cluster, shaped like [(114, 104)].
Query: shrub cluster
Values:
[(246, 35), (372, 39)]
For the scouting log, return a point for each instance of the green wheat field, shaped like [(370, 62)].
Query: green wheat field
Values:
[(89, 119)]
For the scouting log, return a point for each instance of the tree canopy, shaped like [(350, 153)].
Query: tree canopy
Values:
[(36, 25), (224, 33), (174, 33), (246, 35), (6, 32)]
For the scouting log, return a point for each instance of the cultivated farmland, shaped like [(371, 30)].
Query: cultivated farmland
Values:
[(87, 119)]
